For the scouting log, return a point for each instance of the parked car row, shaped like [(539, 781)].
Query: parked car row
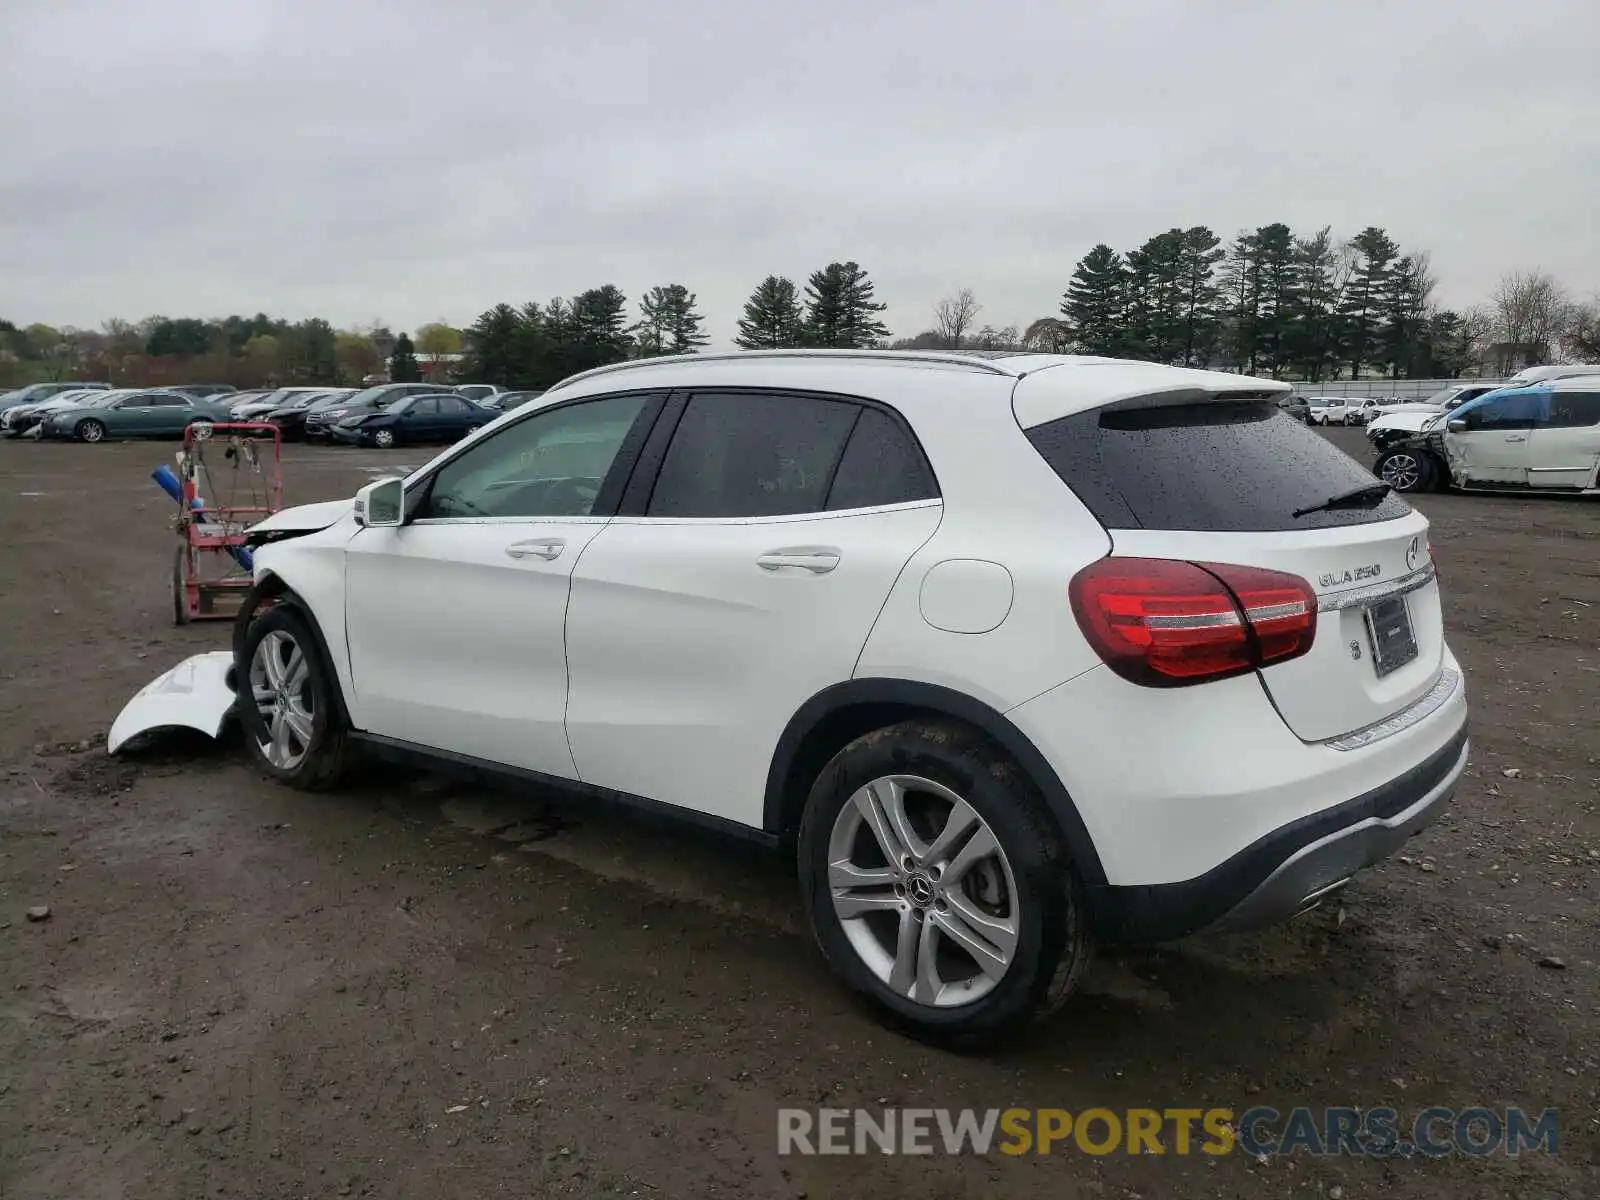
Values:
[(389, 414), (95, 414)]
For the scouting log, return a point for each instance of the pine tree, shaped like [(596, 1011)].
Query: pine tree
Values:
[(1314, 344), (403, 367), (1241, 282), (684, 320), (1363, 300), (1279, 276), (1405, 298), (772, 319), (599, 320), (840, 310), (1094, 302), (494, 350), (651, 333), (1198, 294)]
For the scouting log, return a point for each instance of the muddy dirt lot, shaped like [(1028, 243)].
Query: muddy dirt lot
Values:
[(411, 989)]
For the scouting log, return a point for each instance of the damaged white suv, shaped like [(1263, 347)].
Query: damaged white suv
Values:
[(1011, 654)]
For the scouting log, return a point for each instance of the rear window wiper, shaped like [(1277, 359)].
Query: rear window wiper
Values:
[(1366, 494)]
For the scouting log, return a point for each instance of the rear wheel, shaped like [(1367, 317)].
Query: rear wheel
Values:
[(288, 703), (90, 431), (1405, 470), (937, 885)]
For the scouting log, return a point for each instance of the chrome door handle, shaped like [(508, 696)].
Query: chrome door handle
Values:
[(1516, 437), (545, 548), (819, 560)]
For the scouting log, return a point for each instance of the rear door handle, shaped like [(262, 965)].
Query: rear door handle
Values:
[(545, 548), (819, 560)]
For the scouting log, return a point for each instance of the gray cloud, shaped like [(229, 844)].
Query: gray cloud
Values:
[(412, 159)]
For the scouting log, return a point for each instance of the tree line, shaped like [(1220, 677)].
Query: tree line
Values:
[(535, 346), (1267, 302)]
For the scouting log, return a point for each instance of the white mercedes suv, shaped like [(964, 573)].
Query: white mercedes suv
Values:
[(1010, 654)]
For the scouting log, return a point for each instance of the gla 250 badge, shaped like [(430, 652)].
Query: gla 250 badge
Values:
[(1353, 575)]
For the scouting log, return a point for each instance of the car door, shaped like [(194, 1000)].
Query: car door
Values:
[(419, 420), (131, 416), (1487, 444), (454, 619), (738, 580), (456, 417), (1563, 451), (169, 414)]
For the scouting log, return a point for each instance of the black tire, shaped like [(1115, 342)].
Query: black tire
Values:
[(328, 753), (89, 431), (1054, 943), (180, 607), (379, 441), (1406, 470)]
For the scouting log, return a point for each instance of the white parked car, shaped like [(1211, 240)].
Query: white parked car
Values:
[(997, 649), (1339, 410), (1543, 438), (1397, 421)]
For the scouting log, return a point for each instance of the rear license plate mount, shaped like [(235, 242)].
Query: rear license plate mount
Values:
[(1389, 633)]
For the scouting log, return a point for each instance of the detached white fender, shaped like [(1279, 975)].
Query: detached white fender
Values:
[(194, 694)]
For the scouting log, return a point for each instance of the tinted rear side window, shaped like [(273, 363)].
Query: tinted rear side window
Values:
[(751, 455), (1574, 409), (1226, 467), (881, 465)]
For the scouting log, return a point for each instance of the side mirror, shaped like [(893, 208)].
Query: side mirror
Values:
[(1456, 425), (381, 504)]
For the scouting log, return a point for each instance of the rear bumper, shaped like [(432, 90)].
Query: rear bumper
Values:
[(1293, 868)]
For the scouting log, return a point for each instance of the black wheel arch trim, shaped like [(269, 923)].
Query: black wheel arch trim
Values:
[(780, 814)]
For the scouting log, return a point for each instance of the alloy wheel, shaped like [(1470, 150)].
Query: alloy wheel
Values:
[(1402, 472), (923, 891), (280, 685), (92, 431)]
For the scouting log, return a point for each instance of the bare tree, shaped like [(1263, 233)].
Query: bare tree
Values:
[(1531, 310), (990, 338), (1048, 335), (1580, 339), (953, 317)]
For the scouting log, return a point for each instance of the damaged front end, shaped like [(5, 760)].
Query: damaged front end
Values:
[(198, 693)]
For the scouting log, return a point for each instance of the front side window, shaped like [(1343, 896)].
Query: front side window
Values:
[(553, 464), (1518, 410), (737, 454), (422, 406)]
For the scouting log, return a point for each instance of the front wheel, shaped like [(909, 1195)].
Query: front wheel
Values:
[(1405, 470), (938, 887), (90, 431), (383, 439), (288, 703)]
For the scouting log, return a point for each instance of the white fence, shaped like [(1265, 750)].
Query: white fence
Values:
[(1406, 389)]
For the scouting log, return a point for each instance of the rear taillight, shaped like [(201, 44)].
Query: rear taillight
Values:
[(1164, 622)]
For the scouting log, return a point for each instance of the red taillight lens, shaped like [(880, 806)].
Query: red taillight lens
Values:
[(1163, 622)]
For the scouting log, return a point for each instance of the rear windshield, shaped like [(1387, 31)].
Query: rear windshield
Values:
[(1223, 467)]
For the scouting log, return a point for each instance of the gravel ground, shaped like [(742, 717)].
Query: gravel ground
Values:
[(415, 989)]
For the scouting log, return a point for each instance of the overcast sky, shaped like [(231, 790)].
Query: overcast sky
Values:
[(415, 159)]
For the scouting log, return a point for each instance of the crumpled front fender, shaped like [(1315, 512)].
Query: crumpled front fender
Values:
[(195, 694)]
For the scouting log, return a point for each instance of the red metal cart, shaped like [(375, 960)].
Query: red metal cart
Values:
[(229, 477)]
